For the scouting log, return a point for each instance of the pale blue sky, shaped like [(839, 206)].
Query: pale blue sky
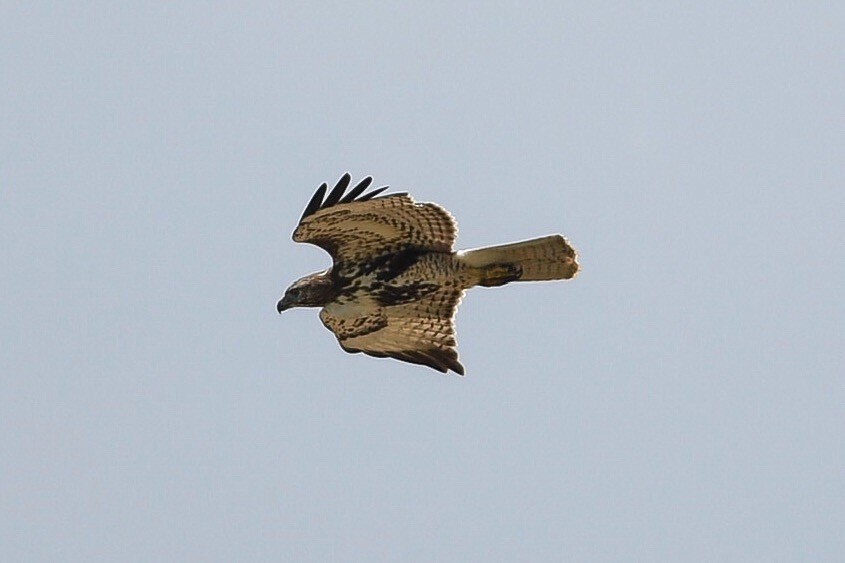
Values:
[(682, 399)]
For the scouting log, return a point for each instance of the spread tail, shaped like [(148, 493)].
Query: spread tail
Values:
[(544, 258)]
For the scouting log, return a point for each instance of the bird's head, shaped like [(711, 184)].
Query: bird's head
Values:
[(314, 290)]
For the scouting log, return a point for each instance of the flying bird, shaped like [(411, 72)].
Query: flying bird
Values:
[(395, 283)]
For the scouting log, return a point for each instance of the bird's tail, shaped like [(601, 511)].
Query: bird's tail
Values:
[(545, 258)]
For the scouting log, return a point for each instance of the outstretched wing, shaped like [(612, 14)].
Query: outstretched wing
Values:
[(419, 332), (358, 225)]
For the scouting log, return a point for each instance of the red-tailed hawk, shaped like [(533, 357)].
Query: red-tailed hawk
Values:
[(395, 282)]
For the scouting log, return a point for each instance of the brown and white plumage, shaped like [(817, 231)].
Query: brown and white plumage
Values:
[(420, 332), (358, 229), (395, 282)]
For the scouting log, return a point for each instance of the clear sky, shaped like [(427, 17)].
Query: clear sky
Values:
[(682, 399)]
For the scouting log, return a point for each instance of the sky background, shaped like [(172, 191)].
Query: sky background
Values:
[(682, 399)]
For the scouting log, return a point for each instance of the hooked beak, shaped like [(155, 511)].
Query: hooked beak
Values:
[(282, 305)]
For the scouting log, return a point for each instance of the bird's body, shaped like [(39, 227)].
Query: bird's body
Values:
[(395, 283)]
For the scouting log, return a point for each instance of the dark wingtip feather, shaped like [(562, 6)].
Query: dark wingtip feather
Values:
[(372, 194), (357, 190), (448, 360), (320, 201), (316, 201), (338, 190)]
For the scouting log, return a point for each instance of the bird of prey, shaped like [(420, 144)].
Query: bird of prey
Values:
[(395, 282)]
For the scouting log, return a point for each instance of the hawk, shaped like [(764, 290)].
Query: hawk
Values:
[(395, 281)]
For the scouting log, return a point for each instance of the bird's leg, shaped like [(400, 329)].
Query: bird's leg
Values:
[(499, 274)]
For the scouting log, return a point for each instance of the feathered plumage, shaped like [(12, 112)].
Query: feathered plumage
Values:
[(395, 282)]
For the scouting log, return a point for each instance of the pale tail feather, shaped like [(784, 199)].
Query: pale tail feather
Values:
[(544, 258)]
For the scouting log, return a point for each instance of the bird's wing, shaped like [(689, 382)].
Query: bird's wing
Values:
[(358, 225), (419, 332)]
